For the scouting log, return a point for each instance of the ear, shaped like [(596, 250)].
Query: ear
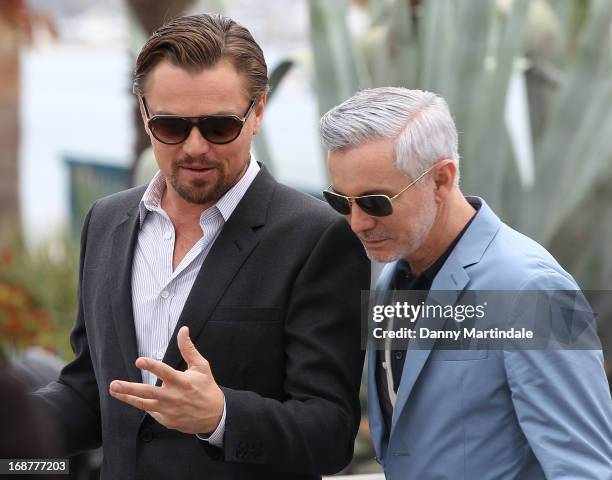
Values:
[(258, 111), (444, 175)]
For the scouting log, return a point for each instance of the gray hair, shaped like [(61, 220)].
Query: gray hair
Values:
[(418, 122)]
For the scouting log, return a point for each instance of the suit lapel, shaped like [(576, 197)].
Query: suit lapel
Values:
[(124, 242), (233, 246), (451, 280), (229, 252), (375, 416)]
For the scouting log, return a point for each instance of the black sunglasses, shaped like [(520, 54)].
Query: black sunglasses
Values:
[(377, 205), (217, 129)]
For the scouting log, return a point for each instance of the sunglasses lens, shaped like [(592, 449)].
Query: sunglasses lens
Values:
[(220, 129), (375, 205), (338, 203), (170, 130)]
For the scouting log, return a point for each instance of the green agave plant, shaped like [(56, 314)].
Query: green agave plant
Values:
[(530, 86)]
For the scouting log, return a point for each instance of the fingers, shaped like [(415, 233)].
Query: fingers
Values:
[(145, 404), (161, 370), (139, 390), (188, 350)]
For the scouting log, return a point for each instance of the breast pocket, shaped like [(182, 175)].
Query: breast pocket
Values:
[(246, 348)]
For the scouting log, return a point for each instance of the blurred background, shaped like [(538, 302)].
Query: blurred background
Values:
[(529, 83)]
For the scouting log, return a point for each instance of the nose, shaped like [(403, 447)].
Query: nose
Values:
[(195, 144), (359, 220)]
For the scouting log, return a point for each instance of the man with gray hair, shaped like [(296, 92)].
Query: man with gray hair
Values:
[(457, 413)]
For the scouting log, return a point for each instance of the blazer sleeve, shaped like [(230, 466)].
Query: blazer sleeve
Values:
[(73, 399), (562, 399), (313, 431)]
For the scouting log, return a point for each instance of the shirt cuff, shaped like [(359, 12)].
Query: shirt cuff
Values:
[(215, 438)]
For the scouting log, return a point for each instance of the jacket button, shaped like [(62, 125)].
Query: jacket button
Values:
[(146, 435)]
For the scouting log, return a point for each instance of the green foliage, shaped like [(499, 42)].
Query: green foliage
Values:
[(539, 171), (38, 296)]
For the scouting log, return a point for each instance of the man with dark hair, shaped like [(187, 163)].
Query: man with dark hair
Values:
[(214, 338)]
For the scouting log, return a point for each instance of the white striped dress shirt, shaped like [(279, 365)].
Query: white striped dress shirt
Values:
[(159, 293)]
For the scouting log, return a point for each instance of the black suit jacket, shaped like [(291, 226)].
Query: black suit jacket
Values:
[(275, 310)]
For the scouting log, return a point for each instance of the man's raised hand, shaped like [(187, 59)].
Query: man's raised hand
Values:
[(189, 401)]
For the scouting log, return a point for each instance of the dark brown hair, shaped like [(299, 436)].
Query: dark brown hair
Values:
[(196, 42)]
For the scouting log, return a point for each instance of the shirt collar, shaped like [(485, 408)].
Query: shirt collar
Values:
[(403, 268), (230, 200), (151, 199)]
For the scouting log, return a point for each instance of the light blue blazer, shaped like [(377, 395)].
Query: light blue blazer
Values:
[(496, 414)]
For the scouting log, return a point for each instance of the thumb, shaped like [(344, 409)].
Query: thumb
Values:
[(188, 350)]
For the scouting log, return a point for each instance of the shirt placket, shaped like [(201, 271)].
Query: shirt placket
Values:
[(168, 288)]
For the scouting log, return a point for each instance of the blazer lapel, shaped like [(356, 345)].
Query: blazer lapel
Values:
[(124, 242), (233, 246), (451, 280), (375, 416)]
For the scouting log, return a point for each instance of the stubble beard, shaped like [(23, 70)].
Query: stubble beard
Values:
[(199, 192), (423, 224)]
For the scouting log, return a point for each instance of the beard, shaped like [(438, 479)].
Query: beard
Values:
[(199, 192), (202, 191), (412, 240)]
